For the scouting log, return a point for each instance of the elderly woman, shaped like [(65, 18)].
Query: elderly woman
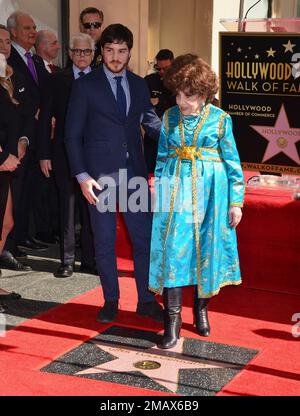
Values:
[(200, 191), (12, 149)]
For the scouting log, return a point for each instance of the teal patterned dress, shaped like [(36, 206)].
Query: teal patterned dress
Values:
[(198, 177)]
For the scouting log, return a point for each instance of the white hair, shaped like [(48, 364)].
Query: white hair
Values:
[(42, 36), (81, 36), (12, 20)]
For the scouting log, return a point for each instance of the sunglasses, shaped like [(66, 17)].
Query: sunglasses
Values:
[(92, 25)]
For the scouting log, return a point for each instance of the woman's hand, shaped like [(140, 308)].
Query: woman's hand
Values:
[(235, 216), (10, 164), (22, 147)]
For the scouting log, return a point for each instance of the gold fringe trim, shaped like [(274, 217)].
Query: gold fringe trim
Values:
[(210, 295), (237, 204), (222, 125)]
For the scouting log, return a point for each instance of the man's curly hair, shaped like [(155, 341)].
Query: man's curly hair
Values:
[(192, 75)]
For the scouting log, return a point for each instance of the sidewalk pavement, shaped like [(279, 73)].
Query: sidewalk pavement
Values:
[(40, 290)]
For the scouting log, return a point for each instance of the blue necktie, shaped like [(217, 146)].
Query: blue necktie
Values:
[(121, 98)]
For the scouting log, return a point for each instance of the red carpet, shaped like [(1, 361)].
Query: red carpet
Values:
[(239, 316), (257, 315)]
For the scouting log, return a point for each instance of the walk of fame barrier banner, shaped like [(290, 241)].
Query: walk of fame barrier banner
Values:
[(260, 89)]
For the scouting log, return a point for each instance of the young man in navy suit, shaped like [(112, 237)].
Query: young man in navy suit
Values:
[(103, 136)]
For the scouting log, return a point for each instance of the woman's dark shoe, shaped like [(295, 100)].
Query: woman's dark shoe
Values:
[(172, 317), (201, 316), (10, 296)]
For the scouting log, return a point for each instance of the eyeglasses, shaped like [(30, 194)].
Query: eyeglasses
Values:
[(92, 25), (79, 52)]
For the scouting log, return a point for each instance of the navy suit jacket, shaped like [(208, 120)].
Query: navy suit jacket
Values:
[(96, 137)]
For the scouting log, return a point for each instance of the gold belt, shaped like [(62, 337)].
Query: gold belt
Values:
[(192, 153)]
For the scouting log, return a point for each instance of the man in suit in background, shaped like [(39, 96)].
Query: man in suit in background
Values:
[(52, 156), (91, 22), (47, 47), (47, 220), (161, 98), (103, 136), (23, 33)]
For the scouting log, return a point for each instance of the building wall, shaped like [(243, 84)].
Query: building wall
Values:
[(182, 26)]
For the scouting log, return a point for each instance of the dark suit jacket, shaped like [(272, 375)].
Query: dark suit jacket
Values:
[(18, 65), (97, 139), (30, 101), (54, 103), (9, 126), (38, 60)]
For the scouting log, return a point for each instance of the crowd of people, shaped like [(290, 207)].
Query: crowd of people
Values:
[(62, 131)]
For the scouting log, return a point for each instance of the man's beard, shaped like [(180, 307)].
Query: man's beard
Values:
[(114, 66)]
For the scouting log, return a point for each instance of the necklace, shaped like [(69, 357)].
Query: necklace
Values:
[(196, 127), (191, 121)]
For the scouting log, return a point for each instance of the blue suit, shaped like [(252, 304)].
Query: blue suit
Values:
[(100, 142)]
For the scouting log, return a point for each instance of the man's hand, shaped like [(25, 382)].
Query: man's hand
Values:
[(46, 167), (87, 190), (10, 164), (235, 216)]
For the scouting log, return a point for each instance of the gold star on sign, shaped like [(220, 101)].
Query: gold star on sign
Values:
[(271, 52), (256, 56), (239, 49), (289, 46)]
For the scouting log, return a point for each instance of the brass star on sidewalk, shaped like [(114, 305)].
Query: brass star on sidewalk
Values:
[(162, 366)]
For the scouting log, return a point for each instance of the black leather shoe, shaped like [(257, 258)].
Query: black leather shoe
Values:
[(151, 310), (11, 263), (64, 271), (3, 308), (109, 312), (32, 245), (85, 268), (20, 254), (10, 296)]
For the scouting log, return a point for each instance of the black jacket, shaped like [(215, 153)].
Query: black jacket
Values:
[(54, 103), (9, 126)]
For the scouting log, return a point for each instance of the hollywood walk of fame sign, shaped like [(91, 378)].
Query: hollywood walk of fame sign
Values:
[(130, 356), (260, 89)]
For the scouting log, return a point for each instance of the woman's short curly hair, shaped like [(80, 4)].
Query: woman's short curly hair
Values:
[(191, 74)]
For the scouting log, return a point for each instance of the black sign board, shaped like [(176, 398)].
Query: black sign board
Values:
[(260, 89)]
